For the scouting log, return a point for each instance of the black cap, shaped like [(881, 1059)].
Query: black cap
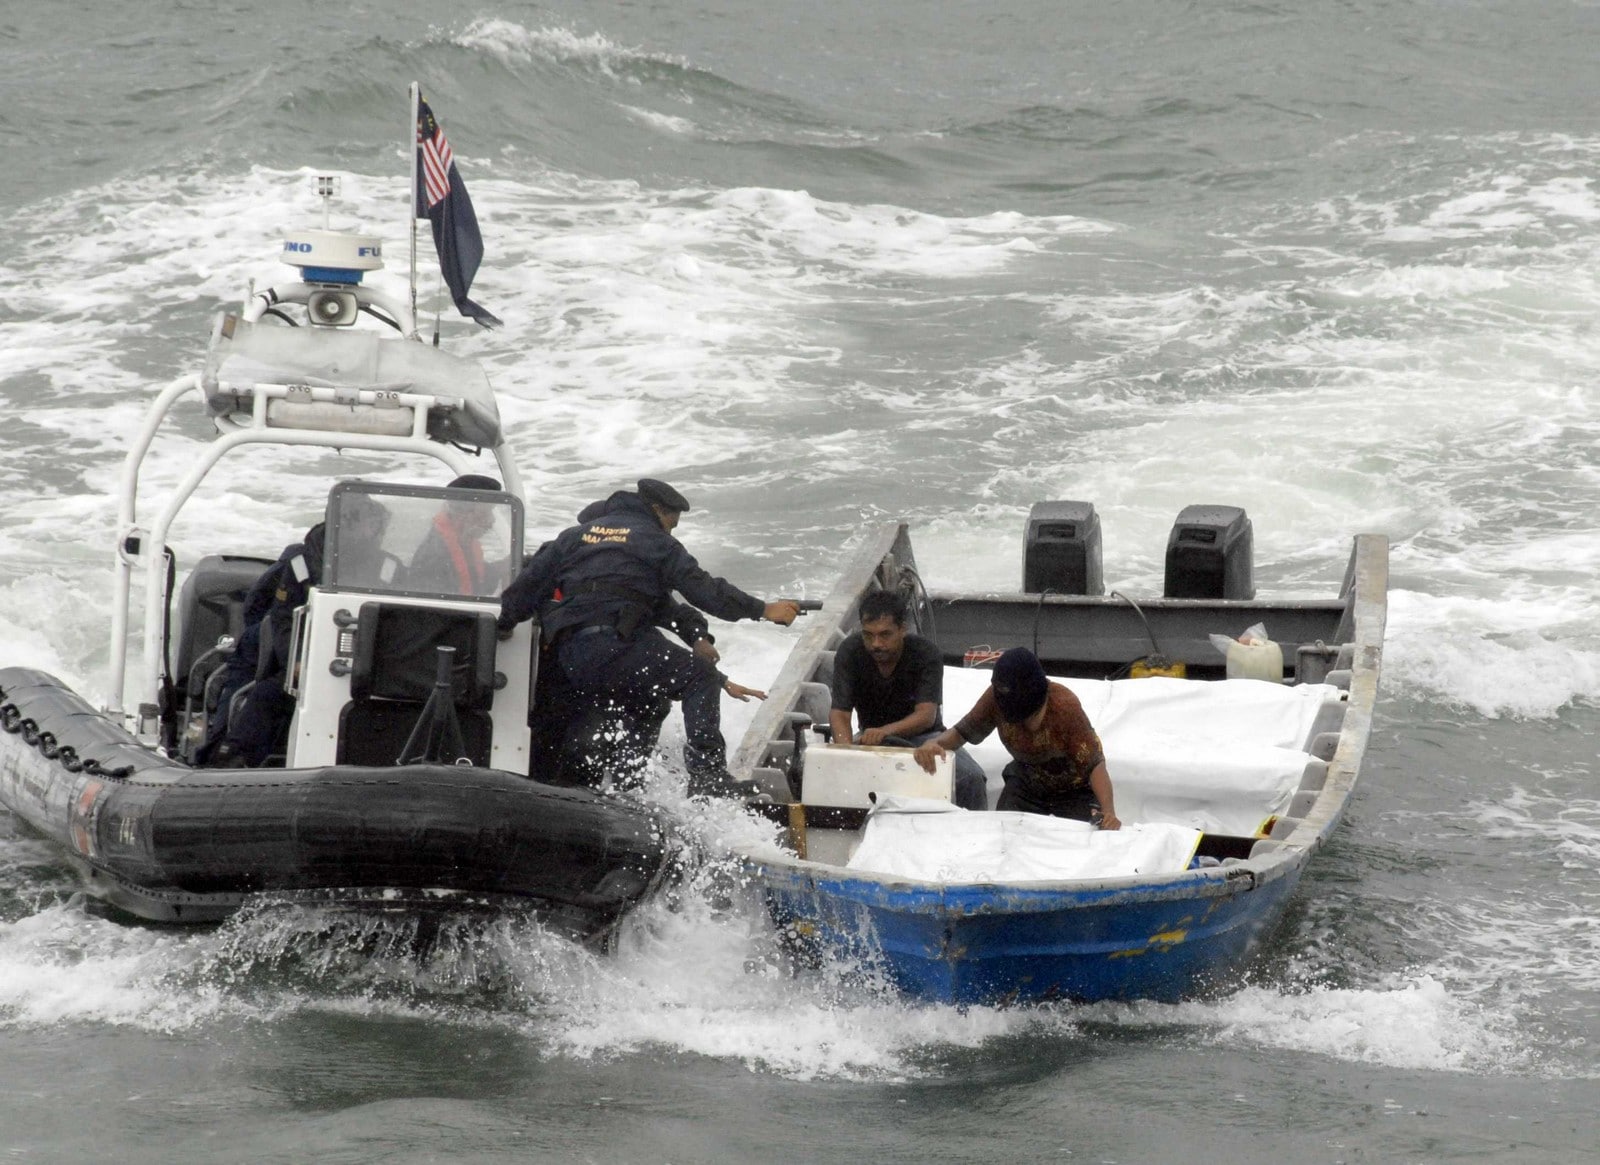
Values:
[(1020, 685), (475, 481), (659, 493)]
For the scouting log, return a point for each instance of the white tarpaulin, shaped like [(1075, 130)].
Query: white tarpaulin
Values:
[(934, 841), (1222, 756)]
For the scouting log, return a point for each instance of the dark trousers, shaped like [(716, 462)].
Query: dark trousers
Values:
[(581, 740), (237, 671), (262, 726), (1021, 794), (637, 676)]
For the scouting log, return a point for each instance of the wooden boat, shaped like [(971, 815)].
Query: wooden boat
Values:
[(1158, 933), (405, 775)]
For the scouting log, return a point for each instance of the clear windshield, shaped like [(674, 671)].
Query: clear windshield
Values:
[(454, 543)]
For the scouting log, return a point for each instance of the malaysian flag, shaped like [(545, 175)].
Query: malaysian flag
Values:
[(441, 198)]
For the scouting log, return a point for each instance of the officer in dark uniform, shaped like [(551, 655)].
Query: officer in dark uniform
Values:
[(579, 740), (601, 589), (261, 658), (259, 728)]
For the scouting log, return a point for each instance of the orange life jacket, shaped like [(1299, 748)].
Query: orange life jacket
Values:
[(468, 560)]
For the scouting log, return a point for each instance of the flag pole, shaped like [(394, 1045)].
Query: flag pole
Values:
[(411, 201)]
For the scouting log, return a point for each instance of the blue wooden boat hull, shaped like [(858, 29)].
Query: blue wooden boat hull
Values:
[(985, 944)]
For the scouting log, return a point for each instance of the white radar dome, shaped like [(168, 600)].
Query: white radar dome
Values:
[(319, 253)]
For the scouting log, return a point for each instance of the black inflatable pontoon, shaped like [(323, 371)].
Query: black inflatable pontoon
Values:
[(176, 844)]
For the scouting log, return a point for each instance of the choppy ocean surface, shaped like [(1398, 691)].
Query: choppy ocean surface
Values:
[(819, 265)]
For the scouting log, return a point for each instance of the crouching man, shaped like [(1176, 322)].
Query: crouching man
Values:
[(1058, 765)]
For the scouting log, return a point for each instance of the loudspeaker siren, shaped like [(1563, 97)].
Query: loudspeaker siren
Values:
[(332, 308)]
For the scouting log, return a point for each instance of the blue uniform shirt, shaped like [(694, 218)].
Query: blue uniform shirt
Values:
[(617, 556)]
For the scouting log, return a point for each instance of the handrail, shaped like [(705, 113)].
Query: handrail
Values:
[(237, 432), (374, 396), (127, 491)]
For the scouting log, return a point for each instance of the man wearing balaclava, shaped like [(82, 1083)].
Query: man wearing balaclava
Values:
[(1058, 765)]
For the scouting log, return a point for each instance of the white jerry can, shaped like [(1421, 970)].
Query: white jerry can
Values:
[(1258, 659)]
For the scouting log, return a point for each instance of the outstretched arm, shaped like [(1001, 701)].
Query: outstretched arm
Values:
[(784, 611), (941, 745), (532, 586), (1100, 786), (740, 692)]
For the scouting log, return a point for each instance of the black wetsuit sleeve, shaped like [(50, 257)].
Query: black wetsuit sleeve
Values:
[(712, 595), (533, 585)]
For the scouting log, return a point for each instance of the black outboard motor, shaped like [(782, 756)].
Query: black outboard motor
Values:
[(1061, 550), (1210, 554)]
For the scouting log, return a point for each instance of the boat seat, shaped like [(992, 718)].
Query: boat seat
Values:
[(1314, 776), (392, 676), (815, 701), (211, 605), (1329, 718), (824, 673)]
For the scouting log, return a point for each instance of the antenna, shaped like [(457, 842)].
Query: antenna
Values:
[(415, 95), (327, 189)]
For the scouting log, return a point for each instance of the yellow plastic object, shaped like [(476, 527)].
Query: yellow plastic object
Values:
[(1155, 665)]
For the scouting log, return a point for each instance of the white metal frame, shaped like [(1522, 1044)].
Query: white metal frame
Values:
[(233, 433)]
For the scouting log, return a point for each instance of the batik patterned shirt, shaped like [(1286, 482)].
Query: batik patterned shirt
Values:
[(1057, 758)]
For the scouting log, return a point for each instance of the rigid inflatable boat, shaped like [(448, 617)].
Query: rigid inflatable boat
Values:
[(404, 777)]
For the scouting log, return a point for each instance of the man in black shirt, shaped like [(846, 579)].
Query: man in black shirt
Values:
[(894, 682)]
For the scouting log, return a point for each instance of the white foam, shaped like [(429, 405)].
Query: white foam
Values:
[(63, 966), (1523, 654), (695, 975), (1421, 281), (883, 239), (685, 987), (663, 121), (1543, 942), (513, 43), (1407, 1022)]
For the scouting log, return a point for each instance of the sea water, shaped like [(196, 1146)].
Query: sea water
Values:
[(821, 266)]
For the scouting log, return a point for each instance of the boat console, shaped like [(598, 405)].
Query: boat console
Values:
[(412, 572)]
